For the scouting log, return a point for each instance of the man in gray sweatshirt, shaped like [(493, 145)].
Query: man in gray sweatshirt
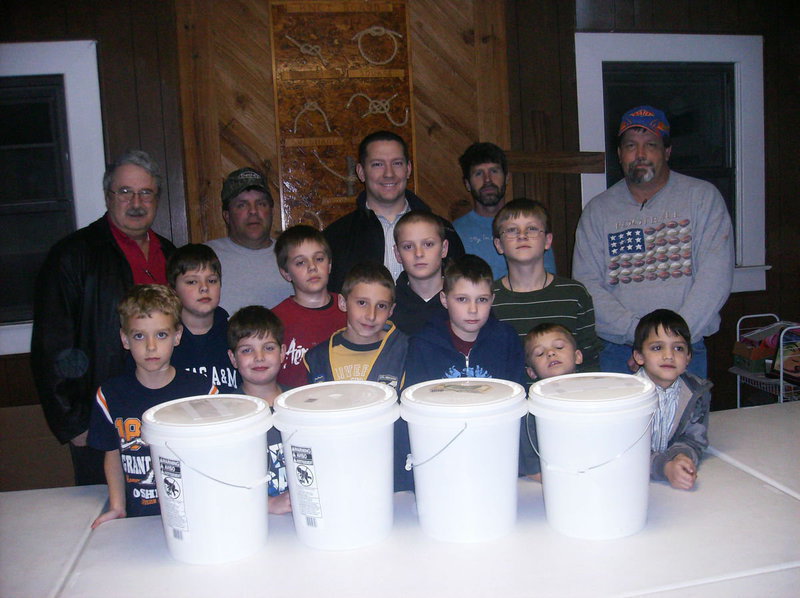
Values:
[(655, 239)]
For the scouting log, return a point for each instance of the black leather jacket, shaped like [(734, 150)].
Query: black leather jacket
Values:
[(358, 237), (75, 345)]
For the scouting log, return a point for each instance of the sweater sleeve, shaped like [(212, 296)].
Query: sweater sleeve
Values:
[(690, 440), (585, 336), (613, 321), (712, 262)]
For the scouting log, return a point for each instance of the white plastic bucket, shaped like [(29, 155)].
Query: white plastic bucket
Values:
[(594, 443), (464, 436), (209, 455), (338, 445)]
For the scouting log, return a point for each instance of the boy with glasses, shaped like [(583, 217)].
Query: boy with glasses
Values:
[(529, 295)]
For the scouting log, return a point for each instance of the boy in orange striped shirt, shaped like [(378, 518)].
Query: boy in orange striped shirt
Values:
[(150, 318)]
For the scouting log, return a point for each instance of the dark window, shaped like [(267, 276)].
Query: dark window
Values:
[(698, 99), (36, 204)]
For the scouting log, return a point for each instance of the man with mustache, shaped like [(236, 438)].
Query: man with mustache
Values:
[(655, 239), (485, 171), (75, 344), (250, 272)]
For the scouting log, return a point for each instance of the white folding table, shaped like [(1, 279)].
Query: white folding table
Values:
[(736, 534), (764, 441), (732, 531), (42, 533)]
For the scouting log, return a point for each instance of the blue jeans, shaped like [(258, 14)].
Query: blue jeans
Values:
[(614, 358)]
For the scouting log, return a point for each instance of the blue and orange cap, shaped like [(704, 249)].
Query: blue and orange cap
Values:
[(647, 117)]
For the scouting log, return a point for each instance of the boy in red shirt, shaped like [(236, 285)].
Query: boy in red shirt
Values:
[(312, 314)]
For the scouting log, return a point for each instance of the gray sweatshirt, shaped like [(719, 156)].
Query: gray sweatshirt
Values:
[(673, 252)]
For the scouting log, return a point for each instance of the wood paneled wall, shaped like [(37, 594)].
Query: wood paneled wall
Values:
[(460, 96), (544, 108), (544, 116), (464, 92), (138, 79), (137, 63)]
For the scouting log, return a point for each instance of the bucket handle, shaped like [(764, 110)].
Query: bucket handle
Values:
[(587, 469), (410, 459), (256, 484)]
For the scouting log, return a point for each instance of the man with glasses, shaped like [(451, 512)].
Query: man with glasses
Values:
[(656, 239), (75, 345), (529, 295)]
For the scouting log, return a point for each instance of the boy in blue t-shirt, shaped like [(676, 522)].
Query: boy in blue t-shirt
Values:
[(195, 273), (255, 338), (150, 330)]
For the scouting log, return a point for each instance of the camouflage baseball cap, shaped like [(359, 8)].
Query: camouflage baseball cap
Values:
[(241, 180)]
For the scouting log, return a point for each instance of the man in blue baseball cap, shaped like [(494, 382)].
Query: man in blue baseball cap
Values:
[(656, 239)]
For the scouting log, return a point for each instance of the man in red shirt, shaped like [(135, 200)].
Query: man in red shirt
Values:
[(75, 345)]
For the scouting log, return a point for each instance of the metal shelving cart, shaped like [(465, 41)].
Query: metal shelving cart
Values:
[(778, 387)]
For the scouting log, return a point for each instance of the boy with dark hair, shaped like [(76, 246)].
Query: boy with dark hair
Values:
[(370, 347), (195, 274), (256, 350), (312, 314), (150, 330), (529, 295), (420, 245), (469, 341), (663, 348)]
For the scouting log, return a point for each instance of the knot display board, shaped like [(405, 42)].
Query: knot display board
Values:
[(342, 70)]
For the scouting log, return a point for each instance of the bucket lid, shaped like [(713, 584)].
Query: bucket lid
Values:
[(334, 403), (592, 393), (462, 397), (204, 415)]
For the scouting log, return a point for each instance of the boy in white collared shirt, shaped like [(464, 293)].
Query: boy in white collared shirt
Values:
[(662, 347)]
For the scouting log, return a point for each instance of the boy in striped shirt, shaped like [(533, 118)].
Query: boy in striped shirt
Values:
[(150, 318), (529, 295)]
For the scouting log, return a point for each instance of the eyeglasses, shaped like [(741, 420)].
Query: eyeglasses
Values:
[(530, 232), (126, 194)]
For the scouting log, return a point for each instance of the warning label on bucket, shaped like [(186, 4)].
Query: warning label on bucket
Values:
[(307, 500), (173, 509)]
